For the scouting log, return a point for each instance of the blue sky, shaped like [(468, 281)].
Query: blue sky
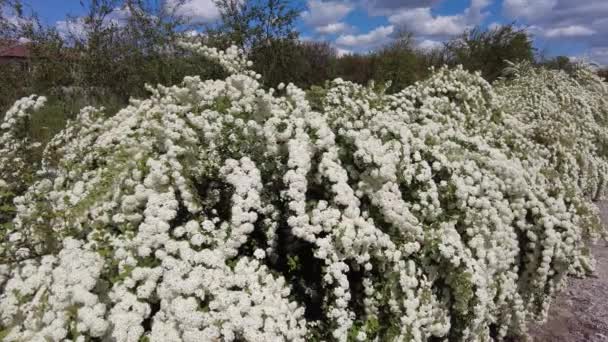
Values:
[(575, 28)]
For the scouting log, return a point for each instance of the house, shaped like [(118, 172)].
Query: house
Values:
[(12, 51)]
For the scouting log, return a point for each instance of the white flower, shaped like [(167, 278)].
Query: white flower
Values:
[(259, 254)]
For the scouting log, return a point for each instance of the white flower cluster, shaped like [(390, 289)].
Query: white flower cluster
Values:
[(51, 297), (218, 211), (557, 123), (233, 60), (14, 142)]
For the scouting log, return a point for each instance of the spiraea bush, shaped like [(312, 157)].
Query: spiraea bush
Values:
[(220, 211)]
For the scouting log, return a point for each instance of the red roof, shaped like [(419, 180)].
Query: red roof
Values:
[(14, 49)]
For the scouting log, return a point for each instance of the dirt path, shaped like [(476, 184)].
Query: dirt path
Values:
[(580, 313)]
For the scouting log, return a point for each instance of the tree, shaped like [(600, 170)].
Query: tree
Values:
[(304, 63), (558, 63), (266, 29), (358, 68), (11, 12), (250, 23), (105, 56), (399, 62), (488, 50), (318, 65)]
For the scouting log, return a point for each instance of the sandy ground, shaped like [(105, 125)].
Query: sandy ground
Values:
[(580, 312)]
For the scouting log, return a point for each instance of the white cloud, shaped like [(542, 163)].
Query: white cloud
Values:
[(194, 34), (587, 20), (475, 13), (428, 44), (495, 26), (334, 28), (599, 55), (529, 9), (430, 29), (373, 38), (75, 28), (421, 21), (342, 52), (323, 13), (388, 7), (569, 31), (15, 21), (200, 10)]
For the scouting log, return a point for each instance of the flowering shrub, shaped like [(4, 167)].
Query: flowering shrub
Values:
[(217, 210), (16, 171), (563, 119)]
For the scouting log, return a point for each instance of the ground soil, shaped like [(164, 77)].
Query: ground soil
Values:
[(580, 312)]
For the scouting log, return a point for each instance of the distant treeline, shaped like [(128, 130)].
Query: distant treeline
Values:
[(105, 59)]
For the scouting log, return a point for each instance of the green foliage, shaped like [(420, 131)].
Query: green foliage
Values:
[(462, 287), (293, 263), (255, 23), (559, 63), (356, 68), (315, 96), (372, 328), (4, 333), (489, 51), (108, 62), (291, 61), (400, 63)]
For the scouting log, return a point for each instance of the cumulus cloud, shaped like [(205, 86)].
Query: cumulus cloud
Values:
[(323, 13), (587, 21), (199, 10), (71, 28), (569, 31), (563, 18), (495, 26), (371, 39), (423, 22), (429, 44), (342, 52), (76, 28), (418, 17), (386, 7), (476, 12), (528, 9), (334, 28)]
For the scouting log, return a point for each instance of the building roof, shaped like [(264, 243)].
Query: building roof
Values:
[(14, 49)]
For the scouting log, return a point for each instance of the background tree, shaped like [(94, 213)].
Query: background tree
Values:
[(266, 29), (400, 62), (248, 23), (488, 50), (358, 68), (558, 63), (102, 58), (125, 44), (111, 51), (318, 61)]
